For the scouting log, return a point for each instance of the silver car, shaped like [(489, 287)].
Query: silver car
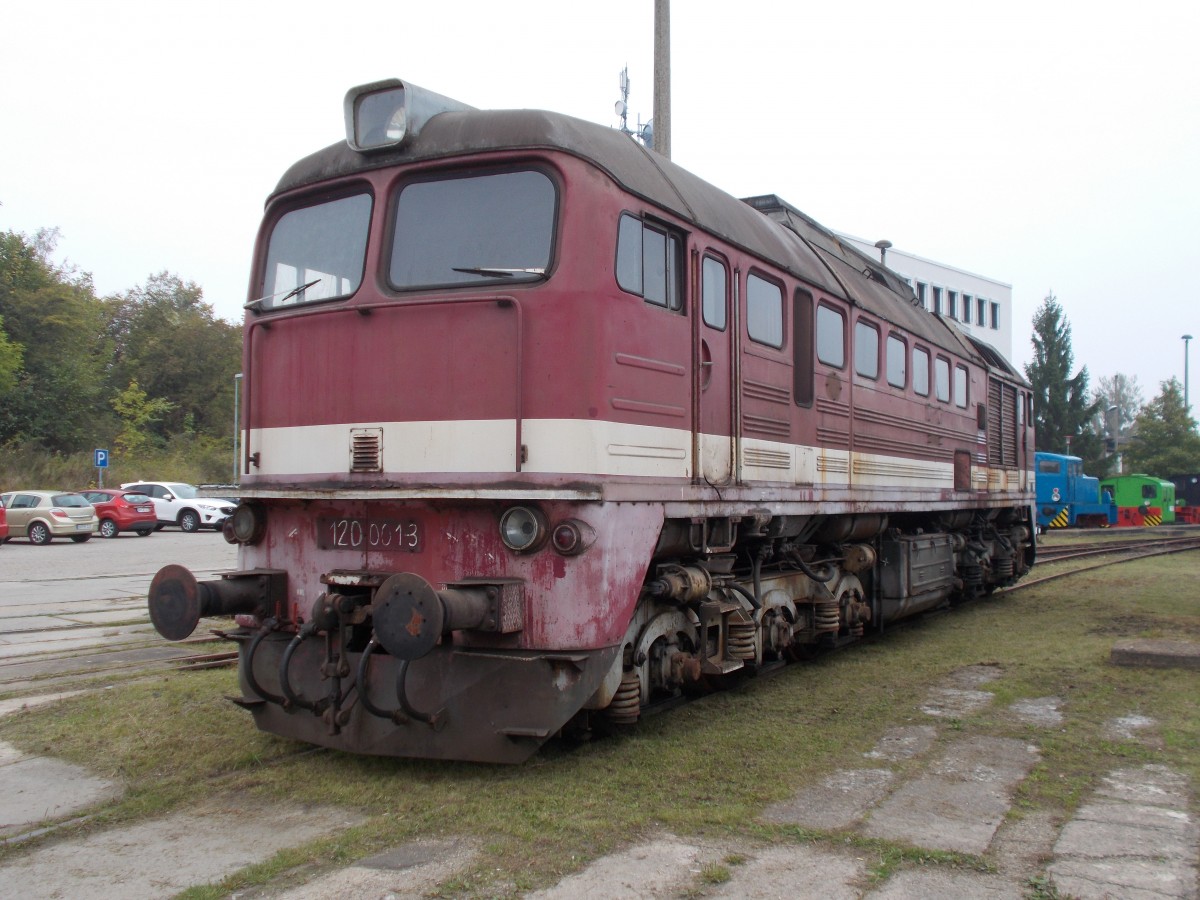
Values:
[(42, 516)]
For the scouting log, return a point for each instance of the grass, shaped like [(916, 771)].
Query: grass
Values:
[(703, 771)]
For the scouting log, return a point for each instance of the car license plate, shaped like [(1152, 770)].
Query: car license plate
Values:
[(352, 533), (143, 509), (83, 527)]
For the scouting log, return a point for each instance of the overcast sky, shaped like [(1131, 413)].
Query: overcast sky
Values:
[(1052, 146)]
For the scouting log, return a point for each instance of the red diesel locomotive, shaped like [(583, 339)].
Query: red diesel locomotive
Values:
[(541, 429)]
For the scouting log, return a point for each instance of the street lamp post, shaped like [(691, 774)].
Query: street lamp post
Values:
[(1113, 423), (237, 425), (1186, 406)]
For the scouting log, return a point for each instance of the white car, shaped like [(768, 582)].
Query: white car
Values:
[(176, 503)]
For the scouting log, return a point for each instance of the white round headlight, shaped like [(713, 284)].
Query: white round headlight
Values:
[(523, 528)]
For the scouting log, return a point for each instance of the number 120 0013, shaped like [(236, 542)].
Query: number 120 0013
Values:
[(369, 534)]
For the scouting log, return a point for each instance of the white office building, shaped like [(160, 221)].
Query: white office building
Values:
[(980, 306)]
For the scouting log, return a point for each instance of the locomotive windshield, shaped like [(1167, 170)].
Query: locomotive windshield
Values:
[(475, 230), (317, 253)]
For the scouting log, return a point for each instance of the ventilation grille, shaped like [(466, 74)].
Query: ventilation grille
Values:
[(366, 449)]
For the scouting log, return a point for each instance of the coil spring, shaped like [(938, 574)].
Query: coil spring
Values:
[(740, 641), (627, 701), (825, 617), (1002, 568), (857, 630), (972, 575)]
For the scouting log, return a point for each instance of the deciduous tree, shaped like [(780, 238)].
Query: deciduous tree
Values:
[(1165, 441)]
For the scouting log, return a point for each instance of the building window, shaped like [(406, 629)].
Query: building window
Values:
[(952, 304), (764, 311), (995, 316), (715, 287), (866, 349), (960, 386), (967, 308), (921, 371), (941, 372), (937, 300), (897, 360), (981, 311), (921, 294), (831, 337)]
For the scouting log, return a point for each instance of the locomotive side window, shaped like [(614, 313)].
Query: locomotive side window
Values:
[(474, 230), (648, 262), (764, 311), (317, 252), (715, 289), (831, 336), (960, 386), (1049, 467), (802, 347), (866, 349), (941, 372), (1149, 492), (897, 361), (921, 371)]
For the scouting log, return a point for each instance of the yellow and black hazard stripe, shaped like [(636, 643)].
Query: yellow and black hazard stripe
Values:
[(1062, 520)]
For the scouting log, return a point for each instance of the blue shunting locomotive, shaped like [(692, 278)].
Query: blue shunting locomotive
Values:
[(1066, 498)]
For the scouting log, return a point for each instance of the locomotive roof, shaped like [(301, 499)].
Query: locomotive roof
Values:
[(764, 226)]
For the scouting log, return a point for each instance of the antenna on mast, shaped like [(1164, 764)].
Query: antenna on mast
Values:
[(644, 133)]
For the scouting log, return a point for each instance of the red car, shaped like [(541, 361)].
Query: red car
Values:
[(120, 510)]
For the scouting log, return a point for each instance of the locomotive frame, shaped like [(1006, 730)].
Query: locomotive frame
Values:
[(540, 429)]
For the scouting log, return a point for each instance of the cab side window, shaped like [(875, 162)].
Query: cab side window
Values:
[(648, 257)]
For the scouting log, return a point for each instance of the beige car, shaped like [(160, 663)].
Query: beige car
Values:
[(42, 516)]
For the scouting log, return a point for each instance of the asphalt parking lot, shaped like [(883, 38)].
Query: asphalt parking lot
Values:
[(100, 568)]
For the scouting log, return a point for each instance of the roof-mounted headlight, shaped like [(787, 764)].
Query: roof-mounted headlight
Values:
[(386, 114)]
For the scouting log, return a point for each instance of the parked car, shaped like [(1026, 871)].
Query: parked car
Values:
[(42, 516), (3, 526), (121, 510), (176, 503)]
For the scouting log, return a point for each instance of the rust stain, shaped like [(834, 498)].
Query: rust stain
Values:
[(415, 623)]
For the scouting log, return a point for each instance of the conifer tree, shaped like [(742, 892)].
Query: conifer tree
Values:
[(1061, 407)]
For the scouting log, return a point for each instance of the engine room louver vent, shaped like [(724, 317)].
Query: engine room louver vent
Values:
[(366, 449)]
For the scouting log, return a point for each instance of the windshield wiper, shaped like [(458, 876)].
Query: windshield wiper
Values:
[(498, 271), (254, 305)]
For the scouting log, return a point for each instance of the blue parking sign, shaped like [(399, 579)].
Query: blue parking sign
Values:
[(101, 459)]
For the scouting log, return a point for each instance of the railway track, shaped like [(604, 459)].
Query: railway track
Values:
[(1108, 553), (1099, 548)]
